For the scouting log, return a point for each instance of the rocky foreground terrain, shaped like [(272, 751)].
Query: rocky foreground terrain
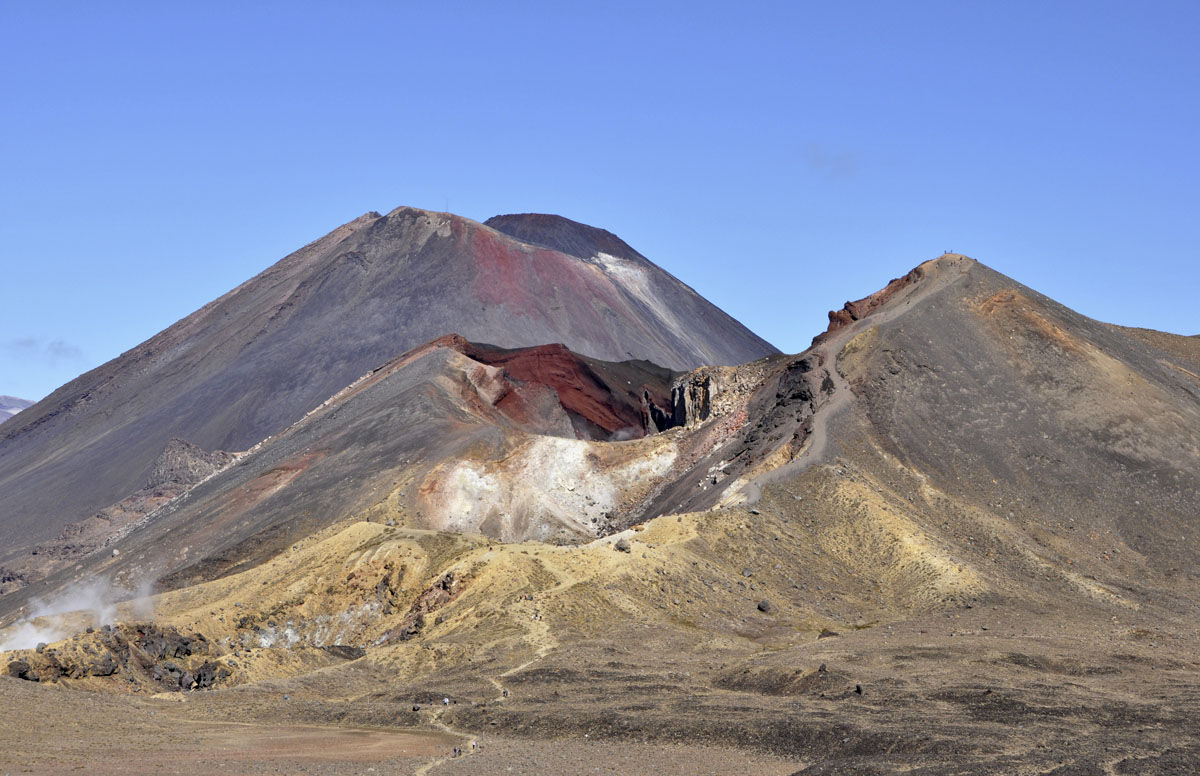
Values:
[(958, 535)]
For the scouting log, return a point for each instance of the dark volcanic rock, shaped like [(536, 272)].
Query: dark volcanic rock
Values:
[(144, 654), (345, 651), (18, 669), (180, 466), (443, 591), (182, 463)]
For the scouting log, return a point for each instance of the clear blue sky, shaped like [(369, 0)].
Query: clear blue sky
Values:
[(778, 157)]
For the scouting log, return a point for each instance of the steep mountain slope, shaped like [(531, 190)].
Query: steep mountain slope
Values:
[(1069, 426), (957, 535), (652, 293), (256, 360), (1049, 423), (11, 405), (399, 444)]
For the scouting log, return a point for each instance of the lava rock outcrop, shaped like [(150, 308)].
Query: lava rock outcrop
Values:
[(143, 656)]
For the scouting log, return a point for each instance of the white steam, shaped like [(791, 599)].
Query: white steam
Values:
[(92, 603), (625, 434)]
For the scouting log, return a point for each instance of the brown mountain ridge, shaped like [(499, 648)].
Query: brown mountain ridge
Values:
[(957, 535)]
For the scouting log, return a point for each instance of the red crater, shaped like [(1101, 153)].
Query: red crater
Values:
[(605, 400)]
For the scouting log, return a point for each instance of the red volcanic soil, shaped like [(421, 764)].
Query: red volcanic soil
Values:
[(526, 281), (597, 392), (856, 311), (604, 399), (250, 494)]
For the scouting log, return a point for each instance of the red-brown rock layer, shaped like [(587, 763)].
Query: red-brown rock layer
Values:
[(857, 310), (612, 404)]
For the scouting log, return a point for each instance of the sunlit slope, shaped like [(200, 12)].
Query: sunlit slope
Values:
[(957, 533), (256, 360)]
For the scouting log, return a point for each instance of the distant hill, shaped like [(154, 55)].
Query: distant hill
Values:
[(11, 405)]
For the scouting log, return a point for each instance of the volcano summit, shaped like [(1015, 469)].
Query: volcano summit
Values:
[(254, 361)]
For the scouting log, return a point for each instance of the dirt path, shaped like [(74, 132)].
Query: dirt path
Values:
[(539, 633), (51, 730), (463, 743), (815, 451)]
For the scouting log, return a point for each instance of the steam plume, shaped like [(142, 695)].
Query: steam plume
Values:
[(88, 603)]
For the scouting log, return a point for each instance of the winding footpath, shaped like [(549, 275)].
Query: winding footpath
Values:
[(538, 633), (943, 272)]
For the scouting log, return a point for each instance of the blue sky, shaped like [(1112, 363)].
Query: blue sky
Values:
[(780, 158)]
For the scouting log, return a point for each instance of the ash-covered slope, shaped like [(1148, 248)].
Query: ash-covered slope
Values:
[(398, 445), (993, 441), (956, 535), (180, 467), (11, 405), (652, 293), (256, 360)]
